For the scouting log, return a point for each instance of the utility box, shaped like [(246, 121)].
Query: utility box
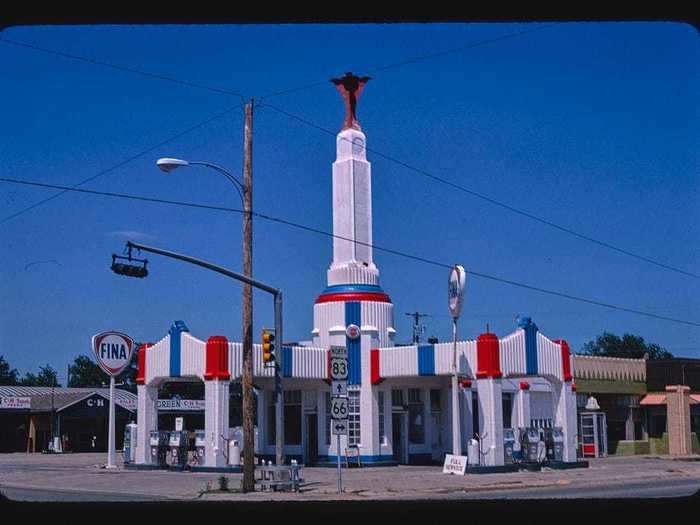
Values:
[(200, 445), (158, 441), (130, 431)]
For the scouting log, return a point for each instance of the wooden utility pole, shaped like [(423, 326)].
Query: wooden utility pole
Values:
[(247, 379)]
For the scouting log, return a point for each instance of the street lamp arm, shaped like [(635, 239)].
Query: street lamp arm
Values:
[(228, 175), (204, 264)]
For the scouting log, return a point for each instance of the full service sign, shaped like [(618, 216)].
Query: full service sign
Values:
[(112, 351), (454, 464)]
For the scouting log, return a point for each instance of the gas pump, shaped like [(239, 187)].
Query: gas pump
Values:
[(549, 443), (199, 446), (179, 446), (508, 446), (158, 442), (130, 443), (558, 444), (530, 445)]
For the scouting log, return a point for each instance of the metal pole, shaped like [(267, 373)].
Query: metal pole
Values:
[(340, 482), (279, 394), (247, 375), (456, 431), (110, 438)]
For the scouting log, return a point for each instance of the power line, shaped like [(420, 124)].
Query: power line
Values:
[(121, 68), (123, 162), (410, 61), (303, 227), (492, 200)]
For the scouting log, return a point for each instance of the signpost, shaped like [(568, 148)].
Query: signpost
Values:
[(339, 397), (455, 299), (113, 352)]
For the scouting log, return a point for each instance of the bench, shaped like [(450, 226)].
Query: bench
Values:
[(273, 477)]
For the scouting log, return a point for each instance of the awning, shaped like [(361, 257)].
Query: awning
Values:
[(660, 399)]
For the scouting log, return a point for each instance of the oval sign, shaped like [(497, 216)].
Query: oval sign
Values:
[(455, 289), (352, 331), (112, 351)]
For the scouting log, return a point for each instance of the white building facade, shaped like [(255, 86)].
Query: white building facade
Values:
[(399, 396)]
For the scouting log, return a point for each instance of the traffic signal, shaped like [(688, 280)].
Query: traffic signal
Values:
[(129, 270), (268, 345)]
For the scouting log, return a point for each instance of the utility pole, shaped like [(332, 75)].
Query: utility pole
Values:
[(247, 376), (416, 325)]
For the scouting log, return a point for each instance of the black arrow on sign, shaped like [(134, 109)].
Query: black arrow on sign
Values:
[(340, 388), (339, 427)]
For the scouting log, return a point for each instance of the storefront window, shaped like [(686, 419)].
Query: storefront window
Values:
[(380, 412), (435, 401), (292, 418), (507, 409), (354, 417), (416, 417)]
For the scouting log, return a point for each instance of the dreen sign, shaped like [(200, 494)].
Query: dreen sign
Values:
[(112, 351)]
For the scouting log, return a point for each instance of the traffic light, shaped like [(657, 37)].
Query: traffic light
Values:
[(129, 270), (268, 345)]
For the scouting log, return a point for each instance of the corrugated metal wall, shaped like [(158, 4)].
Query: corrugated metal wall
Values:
[(158, 360), (512, 353), (398, 361), (309, 363), (327, 315), (381, 316), (192, 356), (549, 357), (466, 358)]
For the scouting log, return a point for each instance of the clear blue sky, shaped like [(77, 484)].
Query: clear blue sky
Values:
[(591, 125)]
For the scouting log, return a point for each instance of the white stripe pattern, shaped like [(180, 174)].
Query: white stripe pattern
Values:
[(512, 353)]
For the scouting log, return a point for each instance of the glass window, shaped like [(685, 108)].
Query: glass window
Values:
[(397, 398), (435, 400), (507, 409), (380, 405), (416, 417), (292, 417), (354, 417)]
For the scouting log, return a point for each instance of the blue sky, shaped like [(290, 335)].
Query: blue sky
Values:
[(593, 126)]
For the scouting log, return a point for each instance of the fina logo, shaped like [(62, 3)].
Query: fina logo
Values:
[(352, 331), (112, 351)]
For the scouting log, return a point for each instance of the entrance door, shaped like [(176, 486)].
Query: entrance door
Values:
[(398, 437), (311, 452), (436, 433)]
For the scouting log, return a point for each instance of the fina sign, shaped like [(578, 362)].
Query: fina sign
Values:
[(455, 290), (112, 351)]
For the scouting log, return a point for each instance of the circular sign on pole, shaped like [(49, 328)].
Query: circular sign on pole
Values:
[(455, 289), (112, 351), (352, 331)]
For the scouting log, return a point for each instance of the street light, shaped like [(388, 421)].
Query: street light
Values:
[(168, 164)]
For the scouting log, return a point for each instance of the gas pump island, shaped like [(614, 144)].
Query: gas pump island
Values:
[(514, 395)]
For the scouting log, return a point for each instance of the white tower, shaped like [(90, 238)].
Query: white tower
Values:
[(353, 311)]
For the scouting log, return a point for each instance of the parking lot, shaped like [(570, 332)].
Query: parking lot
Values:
[(80, 477)]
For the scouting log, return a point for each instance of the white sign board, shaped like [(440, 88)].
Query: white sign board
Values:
[(339, 408), (15, 402), (455, 290), (454, 464), (178, 423), (181, 404), (112, 351), (339, 427), (339, 351), (339, 388)]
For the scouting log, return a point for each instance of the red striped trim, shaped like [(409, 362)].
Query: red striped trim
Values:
[(353, 296), (374, 366), (141, 363), (217, 358), (565, 359), (487, 357)]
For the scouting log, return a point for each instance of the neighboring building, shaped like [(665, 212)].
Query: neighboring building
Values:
[(31, 416)]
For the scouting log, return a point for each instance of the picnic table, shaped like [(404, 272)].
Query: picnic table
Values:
[(274, 477)]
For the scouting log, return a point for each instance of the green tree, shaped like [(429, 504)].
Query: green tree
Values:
[(84, 372), (47, 376), (629, 346), (8, 376)]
